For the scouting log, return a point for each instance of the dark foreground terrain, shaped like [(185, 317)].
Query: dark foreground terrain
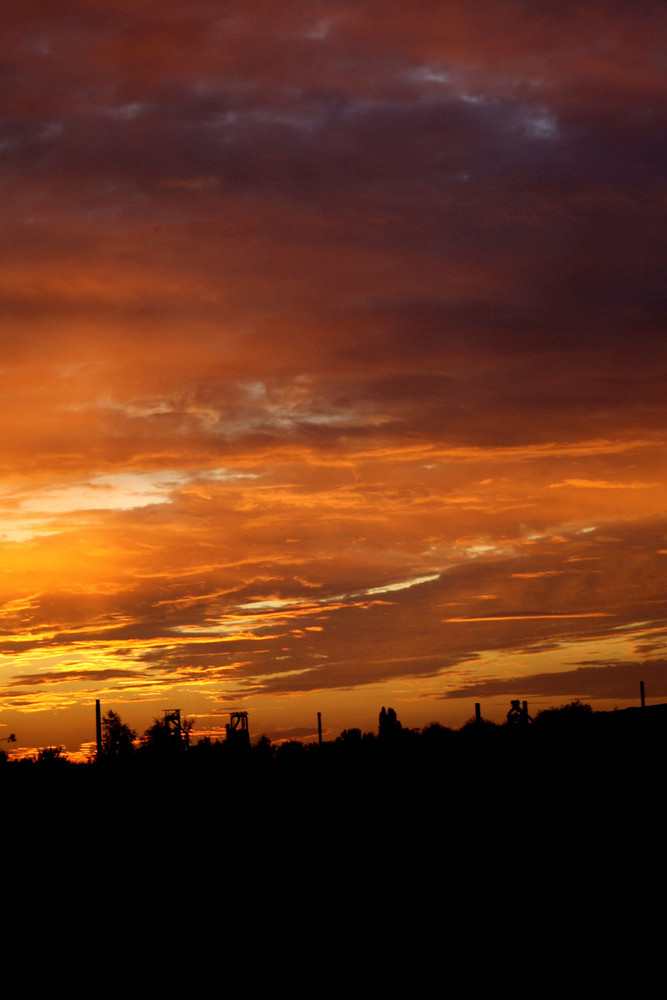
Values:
[(461, 850), (599, 774)]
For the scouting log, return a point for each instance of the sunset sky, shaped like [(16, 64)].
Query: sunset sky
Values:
[(333, 361)]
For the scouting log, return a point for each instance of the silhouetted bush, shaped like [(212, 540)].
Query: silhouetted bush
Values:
[(576, 716)]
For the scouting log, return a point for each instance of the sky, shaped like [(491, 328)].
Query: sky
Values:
[(332, 361)]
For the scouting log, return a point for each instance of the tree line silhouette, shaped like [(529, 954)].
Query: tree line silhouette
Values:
[(518, 790), (569, 736)]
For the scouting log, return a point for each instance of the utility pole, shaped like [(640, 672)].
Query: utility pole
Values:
[(98, 728)]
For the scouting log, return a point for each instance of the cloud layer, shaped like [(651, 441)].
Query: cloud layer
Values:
[(332, 357)]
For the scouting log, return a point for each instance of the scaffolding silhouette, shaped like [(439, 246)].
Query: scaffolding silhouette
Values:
[(177, 729), (238, 734)]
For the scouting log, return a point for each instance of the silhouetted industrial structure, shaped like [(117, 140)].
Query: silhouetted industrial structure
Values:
[(172, 722), (238, 734), (518, 714)]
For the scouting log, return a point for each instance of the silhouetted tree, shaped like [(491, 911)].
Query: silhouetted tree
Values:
[(205, 746), (263, 748), (474, 725), (290, 750), (186, 729), (389, 726), (574, 716), (434, 736), (51, 756), (480, 739), (166, 737), (157, 738), (117, 738), (350, 737)]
